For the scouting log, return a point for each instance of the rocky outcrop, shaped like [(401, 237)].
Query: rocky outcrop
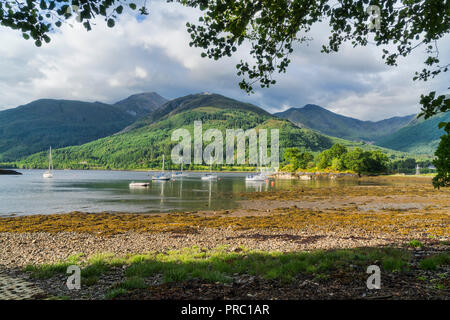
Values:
[(9, 172), (312, 175)]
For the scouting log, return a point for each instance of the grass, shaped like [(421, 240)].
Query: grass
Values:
[(45, 271), (434, 262), (219, 264), (415, 244), (113, 293), (91, 270), (133, 283)]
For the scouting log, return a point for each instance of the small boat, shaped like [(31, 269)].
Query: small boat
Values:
[(48, 174), (139, 184), (257, 176), (179, 174), (162, 176), (210, 175)]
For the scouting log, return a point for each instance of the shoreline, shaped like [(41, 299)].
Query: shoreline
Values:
[(273, 175), (408, 219)]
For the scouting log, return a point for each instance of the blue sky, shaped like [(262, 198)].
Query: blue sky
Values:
[(153, 55)]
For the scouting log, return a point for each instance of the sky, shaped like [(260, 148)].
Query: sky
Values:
[(153, 54)]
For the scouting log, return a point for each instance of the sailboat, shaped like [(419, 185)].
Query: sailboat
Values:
[(48, 174), (162, 176), (258, 176), (210, 175), (139, 184), (179, 174)]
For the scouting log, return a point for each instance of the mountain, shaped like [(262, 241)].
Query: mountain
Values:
[(193, 101), (58, 123), (142, 145), (141, 104), (330, 123), (419, 136)]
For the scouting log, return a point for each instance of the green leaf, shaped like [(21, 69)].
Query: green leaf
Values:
[(111, 23), (43, 5), (132, 6)]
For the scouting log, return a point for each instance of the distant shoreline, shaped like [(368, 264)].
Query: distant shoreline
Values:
[(276, 175)]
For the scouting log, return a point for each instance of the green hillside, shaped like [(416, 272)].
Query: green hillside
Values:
[(142, 145), (195, 101), (327, 122), (58, 123), (419, 136)]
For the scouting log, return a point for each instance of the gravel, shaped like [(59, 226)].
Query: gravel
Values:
[(20, 249)]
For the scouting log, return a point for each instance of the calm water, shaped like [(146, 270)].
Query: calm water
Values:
[(108, 191)]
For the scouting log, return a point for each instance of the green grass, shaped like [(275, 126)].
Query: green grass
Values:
[(113, 293), (91, 270), (58, 298), (45, 271), (440, 286), (415, 243), (434, 262), (133, 283), (219, 265)]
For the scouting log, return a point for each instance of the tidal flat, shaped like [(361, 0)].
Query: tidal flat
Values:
[(301, 243)]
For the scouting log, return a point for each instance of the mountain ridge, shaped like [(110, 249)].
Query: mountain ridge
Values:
[(42, 123), (193, 101), (140, 104), (318, 118), (142, 146), (419, 136)]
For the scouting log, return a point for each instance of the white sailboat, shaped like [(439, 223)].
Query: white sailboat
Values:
[(139, 184), (258, 177), (162, 176), (210, 175), (179, 174), (49, 174)]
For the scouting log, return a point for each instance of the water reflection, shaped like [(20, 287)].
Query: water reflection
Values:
[(100, 191), (257, 186)]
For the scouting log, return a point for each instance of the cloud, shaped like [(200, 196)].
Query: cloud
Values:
[(153, 54)]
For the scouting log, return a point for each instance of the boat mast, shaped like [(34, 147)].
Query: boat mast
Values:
[(163, 164), (50, 161), (260, 160)]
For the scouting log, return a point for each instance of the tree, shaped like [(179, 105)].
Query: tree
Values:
[(337, 164), (442, 163), (37, 19), (305, 159), (297, 159), (353, 160), (326, 157), (376, 161)]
